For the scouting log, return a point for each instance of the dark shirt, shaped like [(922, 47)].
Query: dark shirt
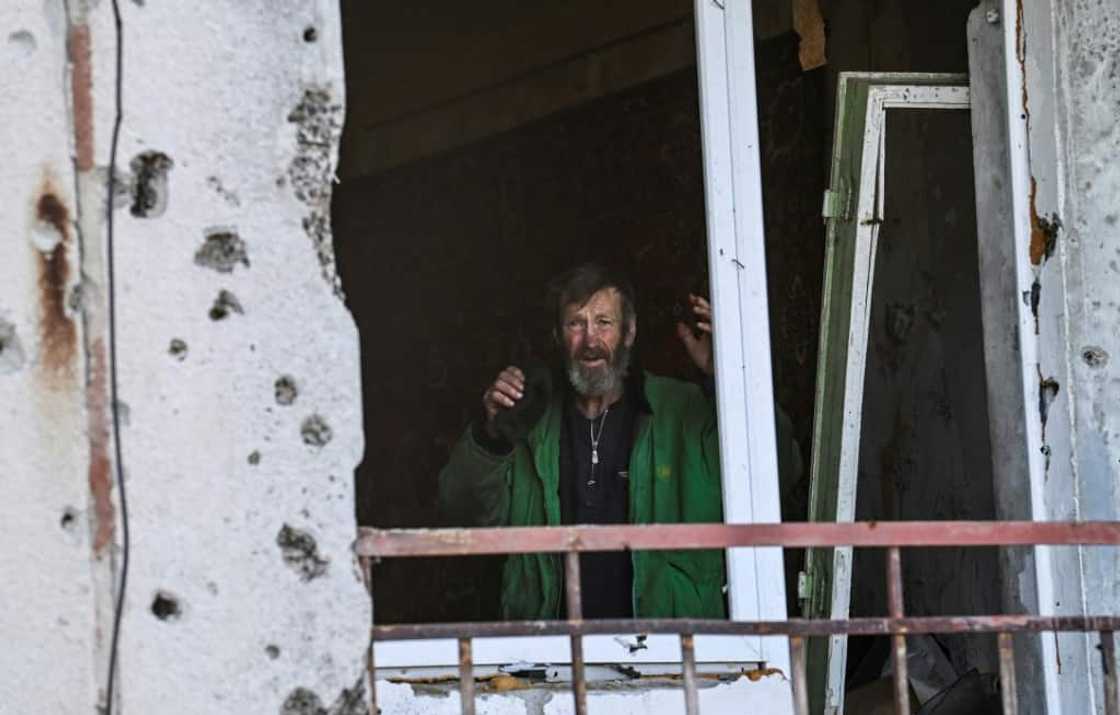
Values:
[(599, 493)]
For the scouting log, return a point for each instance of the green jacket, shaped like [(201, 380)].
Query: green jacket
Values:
[(674, 477)]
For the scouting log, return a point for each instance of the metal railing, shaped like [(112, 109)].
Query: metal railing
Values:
[(373, 545)]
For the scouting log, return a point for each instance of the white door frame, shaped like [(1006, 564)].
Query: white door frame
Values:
[(870, 194)]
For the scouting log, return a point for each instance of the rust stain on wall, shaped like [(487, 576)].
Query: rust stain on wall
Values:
[(1039, 244), (81, 88), (57, 333)]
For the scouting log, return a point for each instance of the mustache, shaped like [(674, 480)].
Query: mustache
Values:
[(593, 354)]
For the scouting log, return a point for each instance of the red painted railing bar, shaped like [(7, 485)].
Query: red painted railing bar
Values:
[(800, 677), (1108, 665), (522, 540), (688, 673), (898, 650), (371, 670), (466, 677), (1008, 687), (792, 627), (575, 615)]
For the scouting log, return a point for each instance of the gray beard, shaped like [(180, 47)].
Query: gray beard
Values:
[(597, 382)]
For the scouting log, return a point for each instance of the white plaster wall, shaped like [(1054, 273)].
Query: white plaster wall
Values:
[(212, 85), (46, 617)]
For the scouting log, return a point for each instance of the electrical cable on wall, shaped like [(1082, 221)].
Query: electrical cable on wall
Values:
[(118, 608)]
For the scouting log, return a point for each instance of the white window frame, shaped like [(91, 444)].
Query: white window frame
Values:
[(748, 453)]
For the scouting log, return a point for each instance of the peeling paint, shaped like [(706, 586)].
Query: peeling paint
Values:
[(1047, 393), (1044, 231), (1035, 298)]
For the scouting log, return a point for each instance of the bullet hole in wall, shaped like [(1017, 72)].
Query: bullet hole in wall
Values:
[(225, 304), (315, 431), (351, 701), (302, 701), (166, 607), (273, 651), (177, 349), (310, 34), (222, 250), (286, 390), (69, 520), (301, 553), (149, 184), (1094, 356), (254, 458)]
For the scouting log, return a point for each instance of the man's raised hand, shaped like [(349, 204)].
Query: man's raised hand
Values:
[(699, 347), (503, 393)]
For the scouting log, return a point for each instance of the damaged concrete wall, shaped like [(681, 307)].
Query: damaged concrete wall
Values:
[(1056, 317), (1071, 95), (239, 386)]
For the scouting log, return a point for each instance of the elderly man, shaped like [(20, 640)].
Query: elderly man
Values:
[(608, 446)]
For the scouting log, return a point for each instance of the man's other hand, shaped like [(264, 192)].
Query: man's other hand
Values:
[(503, 393), (699, 346)]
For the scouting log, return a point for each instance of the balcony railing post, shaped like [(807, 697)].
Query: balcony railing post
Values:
[(1008, 687), (898, 652), (575, 615), (371, 671), (688, 673), (800, 678), (466, 677)]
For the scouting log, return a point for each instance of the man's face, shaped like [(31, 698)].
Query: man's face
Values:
[(596, 343)]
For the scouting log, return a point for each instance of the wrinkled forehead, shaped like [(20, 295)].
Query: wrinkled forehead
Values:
[(607, 301)]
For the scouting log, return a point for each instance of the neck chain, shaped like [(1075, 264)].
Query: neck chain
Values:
[(596, 437)]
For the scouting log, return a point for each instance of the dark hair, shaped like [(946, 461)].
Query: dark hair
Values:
[(578, 284)]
